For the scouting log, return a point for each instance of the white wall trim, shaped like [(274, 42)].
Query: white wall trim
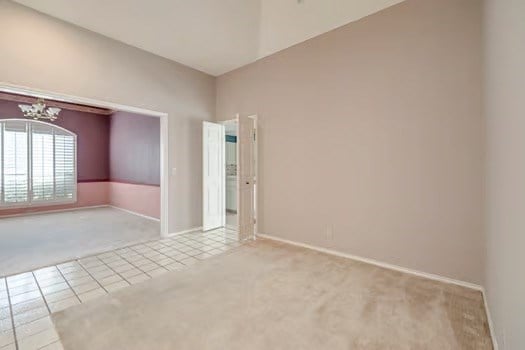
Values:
[(135, 213), (489, 319), (53, 211), (400, 269), (164, 134), (377, 263), (185, 231)]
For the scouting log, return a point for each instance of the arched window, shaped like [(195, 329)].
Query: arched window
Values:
[(37, 164)]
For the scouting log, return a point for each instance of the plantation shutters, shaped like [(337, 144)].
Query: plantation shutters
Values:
[(15, 164), (37, 163), (65, 165)]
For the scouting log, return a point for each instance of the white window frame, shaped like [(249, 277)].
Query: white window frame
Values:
[(29, 203)]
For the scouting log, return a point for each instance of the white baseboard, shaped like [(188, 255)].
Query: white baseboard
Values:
[(377, 263), (135, 213), (400, 269), (185, 231), (489, 319), (54, 211)]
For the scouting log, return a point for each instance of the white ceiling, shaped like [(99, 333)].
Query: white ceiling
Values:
[(214, 36)]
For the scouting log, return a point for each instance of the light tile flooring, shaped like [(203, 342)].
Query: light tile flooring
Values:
[(27, 299)]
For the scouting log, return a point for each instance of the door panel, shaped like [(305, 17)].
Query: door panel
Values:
[(213, 214), (247, 176)]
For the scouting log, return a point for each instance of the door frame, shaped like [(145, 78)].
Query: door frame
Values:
[(224, 122), (256, 160), (256, 183), (164, 134)]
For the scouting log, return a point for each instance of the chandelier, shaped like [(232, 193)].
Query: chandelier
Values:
[(38, 111)]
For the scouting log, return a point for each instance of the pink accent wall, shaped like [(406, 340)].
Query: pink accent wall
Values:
[(142, 199), (88, 194)]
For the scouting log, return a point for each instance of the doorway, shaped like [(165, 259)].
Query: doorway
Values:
[(231, 133), (76, 192), (230, 175)]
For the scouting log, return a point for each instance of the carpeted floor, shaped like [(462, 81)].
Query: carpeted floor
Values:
[(29, 242), (266, 295)]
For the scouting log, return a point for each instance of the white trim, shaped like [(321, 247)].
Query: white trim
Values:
[(185, 231), (238, 185), (52, 211), (489, 319), (135, 213), (404, 270), (377, 263), (164, 134), (255, 117)]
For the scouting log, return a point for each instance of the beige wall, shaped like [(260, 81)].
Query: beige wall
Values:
[(41, 52), (375, 129), (505, 113)]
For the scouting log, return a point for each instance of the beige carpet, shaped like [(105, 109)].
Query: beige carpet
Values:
[(271, 296), (30, 242)]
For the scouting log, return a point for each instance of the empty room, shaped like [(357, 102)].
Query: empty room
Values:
[(73, 181), (262, 174)]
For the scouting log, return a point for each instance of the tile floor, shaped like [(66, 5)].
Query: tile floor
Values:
[(231, 220), (27, 299)]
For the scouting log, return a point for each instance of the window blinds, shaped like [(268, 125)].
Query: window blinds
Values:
[(37, 163)]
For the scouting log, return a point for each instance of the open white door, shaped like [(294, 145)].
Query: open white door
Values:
[(247, 176), (214, 171)]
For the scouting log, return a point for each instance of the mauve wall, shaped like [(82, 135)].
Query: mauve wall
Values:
[(374, 131), (134, 149), (92, 139)]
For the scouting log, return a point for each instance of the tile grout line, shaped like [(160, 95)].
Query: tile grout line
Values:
[(67, 282), (187, 255), (90, 275), (167, 246), (132, 264), (84, 257), (53, 342), (109, 267), (215, 241), (224, 237), (41, 292), (112, 250), (11, 314), (145, 257), (40, 332)]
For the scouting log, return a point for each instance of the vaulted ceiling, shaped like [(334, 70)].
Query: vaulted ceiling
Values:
[(214, 36)]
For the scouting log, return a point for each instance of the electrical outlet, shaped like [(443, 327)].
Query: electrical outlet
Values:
[(329, 233)]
